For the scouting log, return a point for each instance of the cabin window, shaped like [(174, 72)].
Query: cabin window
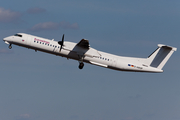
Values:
[(43, 43), (18, 35), (40, 42), (48, 44)]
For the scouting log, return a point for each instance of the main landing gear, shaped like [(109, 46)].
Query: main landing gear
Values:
[(10, 46), (81, 65)]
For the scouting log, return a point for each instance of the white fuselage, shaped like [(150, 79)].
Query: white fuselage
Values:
[(72, 51)]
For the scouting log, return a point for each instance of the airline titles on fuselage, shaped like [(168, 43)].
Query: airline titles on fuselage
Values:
[(35, 39)]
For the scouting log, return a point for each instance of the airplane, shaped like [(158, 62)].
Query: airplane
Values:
[(83, 53)]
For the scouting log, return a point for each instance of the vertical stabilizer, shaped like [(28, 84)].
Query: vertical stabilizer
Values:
[(160, 56)]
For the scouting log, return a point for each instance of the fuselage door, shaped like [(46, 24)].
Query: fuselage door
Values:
[(114, 62), (28, 41)]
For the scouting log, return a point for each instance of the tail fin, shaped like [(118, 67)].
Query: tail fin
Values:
[(160, 56)]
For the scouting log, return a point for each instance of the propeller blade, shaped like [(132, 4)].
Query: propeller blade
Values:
[(61, 42), (62, 39), (60, 48)]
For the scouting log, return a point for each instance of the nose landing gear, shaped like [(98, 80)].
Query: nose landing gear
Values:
[(10, 46)]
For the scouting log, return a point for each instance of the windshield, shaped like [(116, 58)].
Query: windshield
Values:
[(18, 35)]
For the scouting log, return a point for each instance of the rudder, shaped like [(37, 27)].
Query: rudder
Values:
[(160, 56)]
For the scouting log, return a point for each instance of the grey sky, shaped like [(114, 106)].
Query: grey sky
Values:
[(40, 86)]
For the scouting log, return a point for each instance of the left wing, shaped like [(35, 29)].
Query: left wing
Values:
[(84, 44)]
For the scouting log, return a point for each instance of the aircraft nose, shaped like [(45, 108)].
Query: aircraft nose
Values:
[(9, 38), (6, 39)]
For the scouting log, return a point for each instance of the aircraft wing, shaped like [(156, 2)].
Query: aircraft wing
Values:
[(84, 44)]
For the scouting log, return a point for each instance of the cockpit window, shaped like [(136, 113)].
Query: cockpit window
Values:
[(18, 35)]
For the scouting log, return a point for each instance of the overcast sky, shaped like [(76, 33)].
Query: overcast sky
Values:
[(40, 86)]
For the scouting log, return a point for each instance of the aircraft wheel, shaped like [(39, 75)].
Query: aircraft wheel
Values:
[(81, 65), (10, 47)]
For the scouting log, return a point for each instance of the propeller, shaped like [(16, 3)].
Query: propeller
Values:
[(61, 42)]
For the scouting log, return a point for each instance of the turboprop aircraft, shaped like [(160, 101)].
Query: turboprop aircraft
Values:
[(82, 52)]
